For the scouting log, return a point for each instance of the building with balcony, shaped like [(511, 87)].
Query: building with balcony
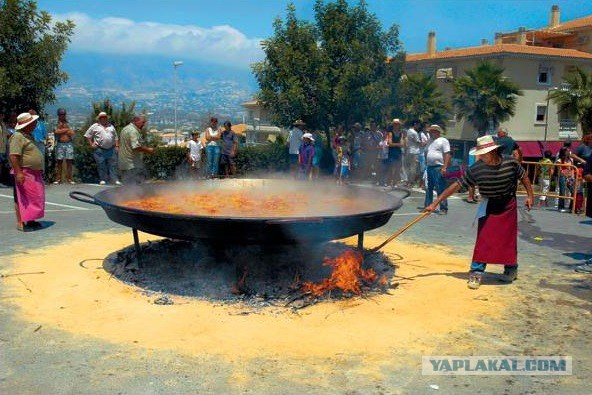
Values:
[(536, 60), (258, 126)]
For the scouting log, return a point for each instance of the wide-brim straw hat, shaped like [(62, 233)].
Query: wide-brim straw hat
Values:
[(436, 128), (484, 145), (25, 119), (102, 114)]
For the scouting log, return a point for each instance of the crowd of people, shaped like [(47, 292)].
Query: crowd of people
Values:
[(416, 156), (389, 157), (24, 143)]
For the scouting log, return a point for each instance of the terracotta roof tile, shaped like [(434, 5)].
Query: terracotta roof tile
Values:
[(500, 49)]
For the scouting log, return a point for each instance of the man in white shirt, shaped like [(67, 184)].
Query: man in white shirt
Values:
[(294, 141), (437, 159), (412, 153), (103, 139)]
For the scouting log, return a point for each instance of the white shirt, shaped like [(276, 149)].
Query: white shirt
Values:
[(423, 138), (412, 142), (213, 133), (436, 150), (194, 150), (104, 137), (294, 139)]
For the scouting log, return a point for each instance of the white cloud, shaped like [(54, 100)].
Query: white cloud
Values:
[(219, 44)]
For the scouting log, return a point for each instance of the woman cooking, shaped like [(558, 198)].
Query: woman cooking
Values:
[(497, 178)]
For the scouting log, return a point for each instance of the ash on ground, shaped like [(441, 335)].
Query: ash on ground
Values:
[(256, 275)]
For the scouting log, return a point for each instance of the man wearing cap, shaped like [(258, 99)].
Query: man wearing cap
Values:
[(294, 141), (437, 161), (64, 149), (103, 139), (27, 166), (132, 150), (497, 177), (413, 153)]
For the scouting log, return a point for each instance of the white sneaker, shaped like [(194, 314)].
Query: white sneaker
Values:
[(102, 182), (117, 182)]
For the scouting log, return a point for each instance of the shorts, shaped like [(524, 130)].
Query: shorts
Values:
[(65, 151), (226, 160), (344, 171)]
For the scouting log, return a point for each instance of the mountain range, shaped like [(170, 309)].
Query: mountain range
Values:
[(150, 81)]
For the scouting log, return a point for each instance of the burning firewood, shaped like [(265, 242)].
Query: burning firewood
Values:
[(347, 276)]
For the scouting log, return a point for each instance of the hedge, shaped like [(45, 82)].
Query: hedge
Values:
[(169, 162)]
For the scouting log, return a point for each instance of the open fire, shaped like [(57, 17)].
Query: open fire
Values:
[(261, 276), (347, 276)]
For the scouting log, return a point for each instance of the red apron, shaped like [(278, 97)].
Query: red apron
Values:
[(497, 235), (31, 195)]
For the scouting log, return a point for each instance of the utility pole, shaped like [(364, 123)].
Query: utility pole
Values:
[(176, 64)]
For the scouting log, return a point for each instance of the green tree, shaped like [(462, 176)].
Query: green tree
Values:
[(119, 117), (31, 49), (361, 81), (485, 97), (329, 72), (576, 98), (292, 78), (422, 100)]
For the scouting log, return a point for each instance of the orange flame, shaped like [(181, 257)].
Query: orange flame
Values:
[(347, 275)]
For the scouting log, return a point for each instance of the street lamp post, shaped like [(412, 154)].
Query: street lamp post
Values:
[(176, 64)]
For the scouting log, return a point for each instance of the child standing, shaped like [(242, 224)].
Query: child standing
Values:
[(343, 161), (546, 173), (194, 148)]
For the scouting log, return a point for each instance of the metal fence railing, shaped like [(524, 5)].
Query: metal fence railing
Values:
[(559, 176)]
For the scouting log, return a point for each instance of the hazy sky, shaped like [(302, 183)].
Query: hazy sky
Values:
[(230, 30)]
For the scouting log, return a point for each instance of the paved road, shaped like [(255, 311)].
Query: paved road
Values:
[(551, 244)]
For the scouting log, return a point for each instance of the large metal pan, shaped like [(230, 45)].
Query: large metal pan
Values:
[(272, 229)]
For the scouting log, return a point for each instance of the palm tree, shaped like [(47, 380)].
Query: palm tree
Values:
[(422, 100), (576, 97), (485, 97)]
